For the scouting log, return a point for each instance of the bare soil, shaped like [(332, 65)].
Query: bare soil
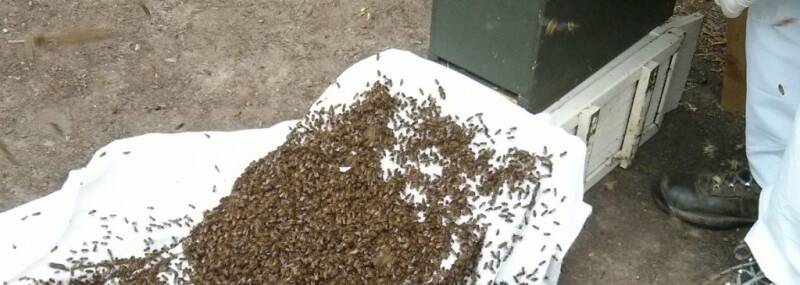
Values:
[(197, 65), (90, 72)]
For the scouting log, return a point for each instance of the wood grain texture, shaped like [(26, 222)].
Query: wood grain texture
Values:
[(734, 79)]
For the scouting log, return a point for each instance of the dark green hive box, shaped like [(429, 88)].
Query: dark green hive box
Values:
[(506, 42)]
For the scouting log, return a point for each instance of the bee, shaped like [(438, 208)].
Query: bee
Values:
[(72, 37), (144, 8), (58, 266), (554, 25)]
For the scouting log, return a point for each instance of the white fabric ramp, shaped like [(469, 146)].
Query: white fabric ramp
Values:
[(159, 175), (164, 171)]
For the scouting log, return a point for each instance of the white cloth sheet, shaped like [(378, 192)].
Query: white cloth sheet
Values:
[(170, 171)]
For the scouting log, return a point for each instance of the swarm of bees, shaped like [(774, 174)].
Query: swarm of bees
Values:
[(350, 198), (322, 209), (158, 265)]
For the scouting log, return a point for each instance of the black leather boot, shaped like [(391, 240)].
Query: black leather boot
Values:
[(710, 201)]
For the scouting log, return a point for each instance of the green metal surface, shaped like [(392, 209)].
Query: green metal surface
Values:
[(507, 42)]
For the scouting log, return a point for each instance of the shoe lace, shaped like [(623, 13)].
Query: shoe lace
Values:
[(745, 179), (731, 182), (747, 273)]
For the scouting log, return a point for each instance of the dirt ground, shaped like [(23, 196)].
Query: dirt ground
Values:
[(198, 65), (90, 72)]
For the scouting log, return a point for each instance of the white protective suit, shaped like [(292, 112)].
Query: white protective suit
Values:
[(773, 134)]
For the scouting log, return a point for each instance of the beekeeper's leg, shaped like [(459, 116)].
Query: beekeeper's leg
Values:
[(775, 238), (773, 84), (773, 135)]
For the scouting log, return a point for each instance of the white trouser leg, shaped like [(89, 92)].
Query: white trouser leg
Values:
[(775, 238), (773, 135), (773, 64)]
